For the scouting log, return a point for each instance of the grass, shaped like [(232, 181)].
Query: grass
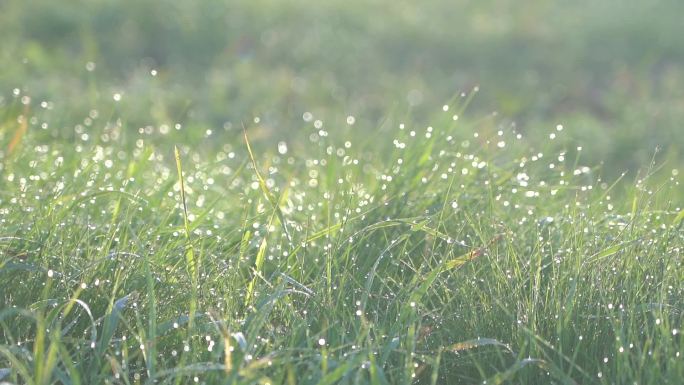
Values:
[(414, 254), (218, 193)]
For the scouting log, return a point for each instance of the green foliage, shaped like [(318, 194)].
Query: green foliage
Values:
[(610, 69), (364, 233)]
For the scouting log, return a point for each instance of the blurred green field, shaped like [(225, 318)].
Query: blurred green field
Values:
[(341, 192), (610, 71)]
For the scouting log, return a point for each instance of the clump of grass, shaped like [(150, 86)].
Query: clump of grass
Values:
[(444, 253)]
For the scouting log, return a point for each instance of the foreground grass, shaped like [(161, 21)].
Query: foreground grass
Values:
[(444, 254)]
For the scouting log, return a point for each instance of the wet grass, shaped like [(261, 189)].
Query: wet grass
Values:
[(443, 252), (245, 192)]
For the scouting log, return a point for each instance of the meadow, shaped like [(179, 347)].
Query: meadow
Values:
[(264, 192)]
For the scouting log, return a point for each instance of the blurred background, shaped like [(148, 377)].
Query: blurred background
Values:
[(612, 72)]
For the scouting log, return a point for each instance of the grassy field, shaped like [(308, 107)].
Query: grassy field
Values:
[(263, 192)]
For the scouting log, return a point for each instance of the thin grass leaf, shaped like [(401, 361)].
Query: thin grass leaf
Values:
[(191, 261), (509, 373), (17, 365), (150, 349), (340, 371), (272, 199), (111, 321), (678, 220), (69, 364), (190, 253), (258, 266)]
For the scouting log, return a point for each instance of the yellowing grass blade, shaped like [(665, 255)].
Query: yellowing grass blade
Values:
[(19, 133), (471, 344)]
